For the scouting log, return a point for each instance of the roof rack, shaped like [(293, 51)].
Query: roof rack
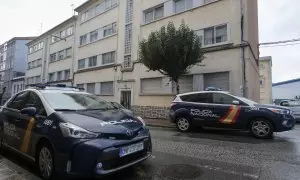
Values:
[(51, 86)]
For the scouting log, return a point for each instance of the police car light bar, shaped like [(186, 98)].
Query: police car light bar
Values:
[(44, 86)]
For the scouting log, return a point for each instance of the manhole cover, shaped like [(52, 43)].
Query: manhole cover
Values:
[(181, 171)]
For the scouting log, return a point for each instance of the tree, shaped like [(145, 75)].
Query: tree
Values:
[(171, 51)]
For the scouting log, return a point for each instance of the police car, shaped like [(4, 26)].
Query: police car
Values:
[(65, 131), (222, 110)]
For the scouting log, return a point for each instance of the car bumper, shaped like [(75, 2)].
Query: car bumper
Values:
[(287, 123), (172, 116)]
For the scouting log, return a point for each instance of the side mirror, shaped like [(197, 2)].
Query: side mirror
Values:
[(236, 102), (30, 111), (284, 104)]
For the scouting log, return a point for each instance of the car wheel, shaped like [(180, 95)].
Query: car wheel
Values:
[(261, 128), (183, 124), (45, 161)]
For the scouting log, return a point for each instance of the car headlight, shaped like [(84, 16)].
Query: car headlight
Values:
[(142, 120), (279, 111), (73, 131)]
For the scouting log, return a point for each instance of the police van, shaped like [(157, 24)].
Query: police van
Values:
[(219, 109), (65, 131)]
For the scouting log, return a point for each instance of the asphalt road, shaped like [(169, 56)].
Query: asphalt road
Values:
[(207, 154)]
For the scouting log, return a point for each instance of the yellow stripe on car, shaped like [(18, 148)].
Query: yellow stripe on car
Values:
[(26, 140), (229, 119)]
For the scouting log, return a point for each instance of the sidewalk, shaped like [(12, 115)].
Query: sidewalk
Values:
[(165, 123)]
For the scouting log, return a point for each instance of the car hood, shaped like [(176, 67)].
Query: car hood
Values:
[(271, 106), (103, 121)]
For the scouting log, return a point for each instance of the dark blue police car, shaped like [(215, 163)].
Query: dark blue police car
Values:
[(222, 110), (65, 130)]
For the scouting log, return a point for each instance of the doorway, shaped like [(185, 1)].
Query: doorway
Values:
[(126, 98)]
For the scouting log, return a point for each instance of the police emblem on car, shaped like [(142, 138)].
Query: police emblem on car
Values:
[(220, 109), (57, 125)]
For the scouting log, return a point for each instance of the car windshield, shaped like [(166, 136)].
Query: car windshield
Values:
[(247, 101), (75, 101)]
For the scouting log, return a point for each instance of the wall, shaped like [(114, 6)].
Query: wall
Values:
[(286, 91), (266, 78)]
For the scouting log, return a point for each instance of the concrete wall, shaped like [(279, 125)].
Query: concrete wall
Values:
[(266, 78), (286, 91)]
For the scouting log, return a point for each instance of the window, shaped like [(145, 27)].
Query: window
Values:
[(69, 52), (63, 33), (70, 31), (29, 65), (151, 86), (81, 64), (128, 38), (93, 36), (93, 61), (107, 4), (38, 62), (61, 54), (59, 76), (19, 101), (83, 39), (217, 34), (182, 5), (219, 98), (35, 101), (198, 98), (221, 34), (100, 8), (67, 74), (107, 88), (80, 86), (53, 57), (30, 50), (51, 77), (153, 14), (91, 88), (209, 36), (262, 81), (108, 58), (109, 29), (38, 79)]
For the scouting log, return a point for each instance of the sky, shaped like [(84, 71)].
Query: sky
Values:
[(278, 20)]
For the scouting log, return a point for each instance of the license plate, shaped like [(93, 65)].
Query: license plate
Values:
[(131, 149)]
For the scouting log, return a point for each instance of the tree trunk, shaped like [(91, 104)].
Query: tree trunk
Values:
[(177, 87)]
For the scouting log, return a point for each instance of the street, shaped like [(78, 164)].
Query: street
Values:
[(206, 154)]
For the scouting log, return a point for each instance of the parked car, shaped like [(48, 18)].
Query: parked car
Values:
[(294, 106), (223, 110), (64, 130)]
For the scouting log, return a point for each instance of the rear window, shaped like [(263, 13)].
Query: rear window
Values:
[(197, 98)]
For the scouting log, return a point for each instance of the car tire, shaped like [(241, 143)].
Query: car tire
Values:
[(183, 124), (45, 161), (261, 128)]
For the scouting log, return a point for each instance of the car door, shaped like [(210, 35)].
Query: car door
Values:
[(13, 120), (228, 108), (200, 107)]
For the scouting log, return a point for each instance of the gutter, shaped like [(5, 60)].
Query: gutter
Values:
[(244, 83)]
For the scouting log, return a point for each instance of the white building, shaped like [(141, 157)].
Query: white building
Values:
[(106, 44), (286, 90), (18, 84), (51, 55), (265, 67)]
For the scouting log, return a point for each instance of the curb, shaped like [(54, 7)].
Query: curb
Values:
[(161, 126)]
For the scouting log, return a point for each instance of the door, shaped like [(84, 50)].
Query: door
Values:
[(217, 80), (14, 121), (126, 98), (201, 110), (228, 112)]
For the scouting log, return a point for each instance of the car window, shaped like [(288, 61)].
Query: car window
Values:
[(35, 101), (19, 101), (198, 98), (220, 98)]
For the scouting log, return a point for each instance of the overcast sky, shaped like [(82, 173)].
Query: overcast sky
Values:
[(278, 20)]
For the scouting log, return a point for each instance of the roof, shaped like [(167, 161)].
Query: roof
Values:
[(19, 38), (18, 78), (286, 82), (83, 5), (73, 18), (266, 58), (196, 92)]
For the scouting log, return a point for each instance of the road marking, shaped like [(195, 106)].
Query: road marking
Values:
[(26, 140)]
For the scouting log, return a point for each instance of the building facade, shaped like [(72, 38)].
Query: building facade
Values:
[(13, 57), (108, 33), (18, 84), (265, 67), (286, 90), (51, 55)]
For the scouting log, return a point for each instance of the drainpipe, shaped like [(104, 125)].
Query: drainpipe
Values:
[(244, 83)]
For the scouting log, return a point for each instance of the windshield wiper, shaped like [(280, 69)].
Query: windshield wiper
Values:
[(65, 109)]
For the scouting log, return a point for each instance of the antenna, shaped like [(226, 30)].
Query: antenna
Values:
[(73, 12), (41, 28)]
